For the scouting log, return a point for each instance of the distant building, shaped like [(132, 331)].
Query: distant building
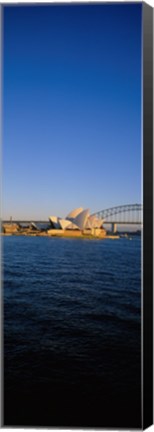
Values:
[(10, 228)]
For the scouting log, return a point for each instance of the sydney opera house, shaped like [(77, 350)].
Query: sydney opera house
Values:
[(78, 223), (78, 220)]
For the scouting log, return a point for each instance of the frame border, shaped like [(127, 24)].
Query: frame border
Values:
[(147, 312)]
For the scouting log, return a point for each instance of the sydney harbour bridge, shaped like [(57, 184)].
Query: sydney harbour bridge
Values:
[(128, 214)]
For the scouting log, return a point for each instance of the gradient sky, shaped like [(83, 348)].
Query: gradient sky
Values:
[(71, 108)]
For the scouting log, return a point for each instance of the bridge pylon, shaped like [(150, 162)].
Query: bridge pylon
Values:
[(113, 228)]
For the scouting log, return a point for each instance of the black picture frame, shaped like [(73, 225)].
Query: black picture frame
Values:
[(147, 313)]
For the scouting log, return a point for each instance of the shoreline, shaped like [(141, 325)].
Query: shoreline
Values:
[(45, 234)]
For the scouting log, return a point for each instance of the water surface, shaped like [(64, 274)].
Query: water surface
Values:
[(72, 327)]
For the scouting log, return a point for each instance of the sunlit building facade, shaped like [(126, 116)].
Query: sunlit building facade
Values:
[(77, 219)]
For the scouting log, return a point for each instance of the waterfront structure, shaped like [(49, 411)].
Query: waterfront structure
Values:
[(77, 219), (10, 228)]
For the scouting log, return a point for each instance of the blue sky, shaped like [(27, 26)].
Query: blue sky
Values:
[(71, 108)]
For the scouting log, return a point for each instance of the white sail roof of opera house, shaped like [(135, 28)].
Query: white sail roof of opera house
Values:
[(54, 221), (74, 213), (94, 222), (81, 219), (64, 223), (77, 219), (72, 226)]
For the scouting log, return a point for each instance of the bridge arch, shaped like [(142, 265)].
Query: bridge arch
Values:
[(128, 213)]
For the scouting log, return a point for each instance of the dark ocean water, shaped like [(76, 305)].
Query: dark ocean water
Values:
[(72, 326)]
